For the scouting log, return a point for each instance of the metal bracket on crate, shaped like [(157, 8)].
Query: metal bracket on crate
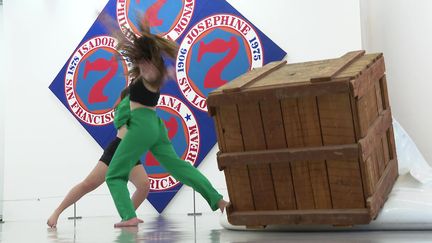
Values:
[(194, 207)]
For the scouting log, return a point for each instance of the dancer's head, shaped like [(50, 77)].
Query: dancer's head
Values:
[(147, 52)]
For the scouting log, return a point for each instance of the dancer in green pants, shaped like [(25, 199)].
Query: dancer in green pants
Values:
[(138, 175), (146, 131)]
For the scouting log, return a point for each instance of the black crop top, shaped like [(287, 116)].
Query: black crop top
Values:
[(139, 93)]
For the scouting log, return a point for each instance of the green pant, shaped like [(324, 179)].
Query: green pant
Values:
[(146, 131)]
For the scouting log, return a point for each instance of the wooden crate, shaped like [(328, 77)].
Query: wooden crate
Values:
[(307, 143)]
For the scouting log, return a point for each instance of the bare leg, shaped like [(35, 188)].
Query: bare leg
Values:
[(93, 180), (139, 178)]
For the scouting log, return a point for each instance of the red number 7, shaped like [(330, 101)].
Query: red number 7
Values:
[(213, 78), (96, 93)]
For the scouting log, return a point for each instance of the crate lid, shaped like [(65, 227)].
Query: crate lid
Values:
[(331, 75)]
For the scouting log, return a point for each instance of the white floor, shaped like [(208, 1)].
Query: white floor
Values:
[(183, 228), (409, 206)]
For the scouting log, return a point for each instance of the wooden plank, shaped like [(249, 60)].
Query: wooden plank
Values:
[(283, 183), (330, 152), (367, 111), (240, 185), (231, 191), (293, 81), (374, 170), (294, 74), (275, 139), (302, 185), (302, 129), (372, 176), (262, 187), (311, 135), (384, 92), (388, 143), (291, 74), (292, 113), (251, 127), (337, 66), (361, 85), (383, 188), (379, 97), (299, 171), (320, 184), (373, 137), (241, 196), (341, 152), (230, 122), (301, 217), (278, 92), (273, 124), (311, 130), (337, 127), (386, 151), (219, 131), (357, 137), (392, 144), (345, 184), (310, 121), (359, 66), (260, 174), (251, 76), (292, 123), (356, 121), (336, 119), (381, 156)]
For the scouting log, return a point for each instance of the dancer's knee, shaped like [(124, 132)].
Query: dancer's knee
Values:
[(141, 184), (143, 187)]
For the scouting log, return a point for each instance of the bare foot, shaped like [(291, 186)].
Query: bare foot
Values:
[(222, 205), (133, 222), (52, 221)]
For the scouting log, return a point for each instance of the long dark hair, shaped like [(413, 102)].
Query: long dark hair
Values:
[(145, 47)]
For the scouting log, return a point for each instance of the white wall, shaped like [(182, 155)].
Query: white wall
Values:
[(401, 29), (2, 109), (47, 150), (307, 29), (41, 34)]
